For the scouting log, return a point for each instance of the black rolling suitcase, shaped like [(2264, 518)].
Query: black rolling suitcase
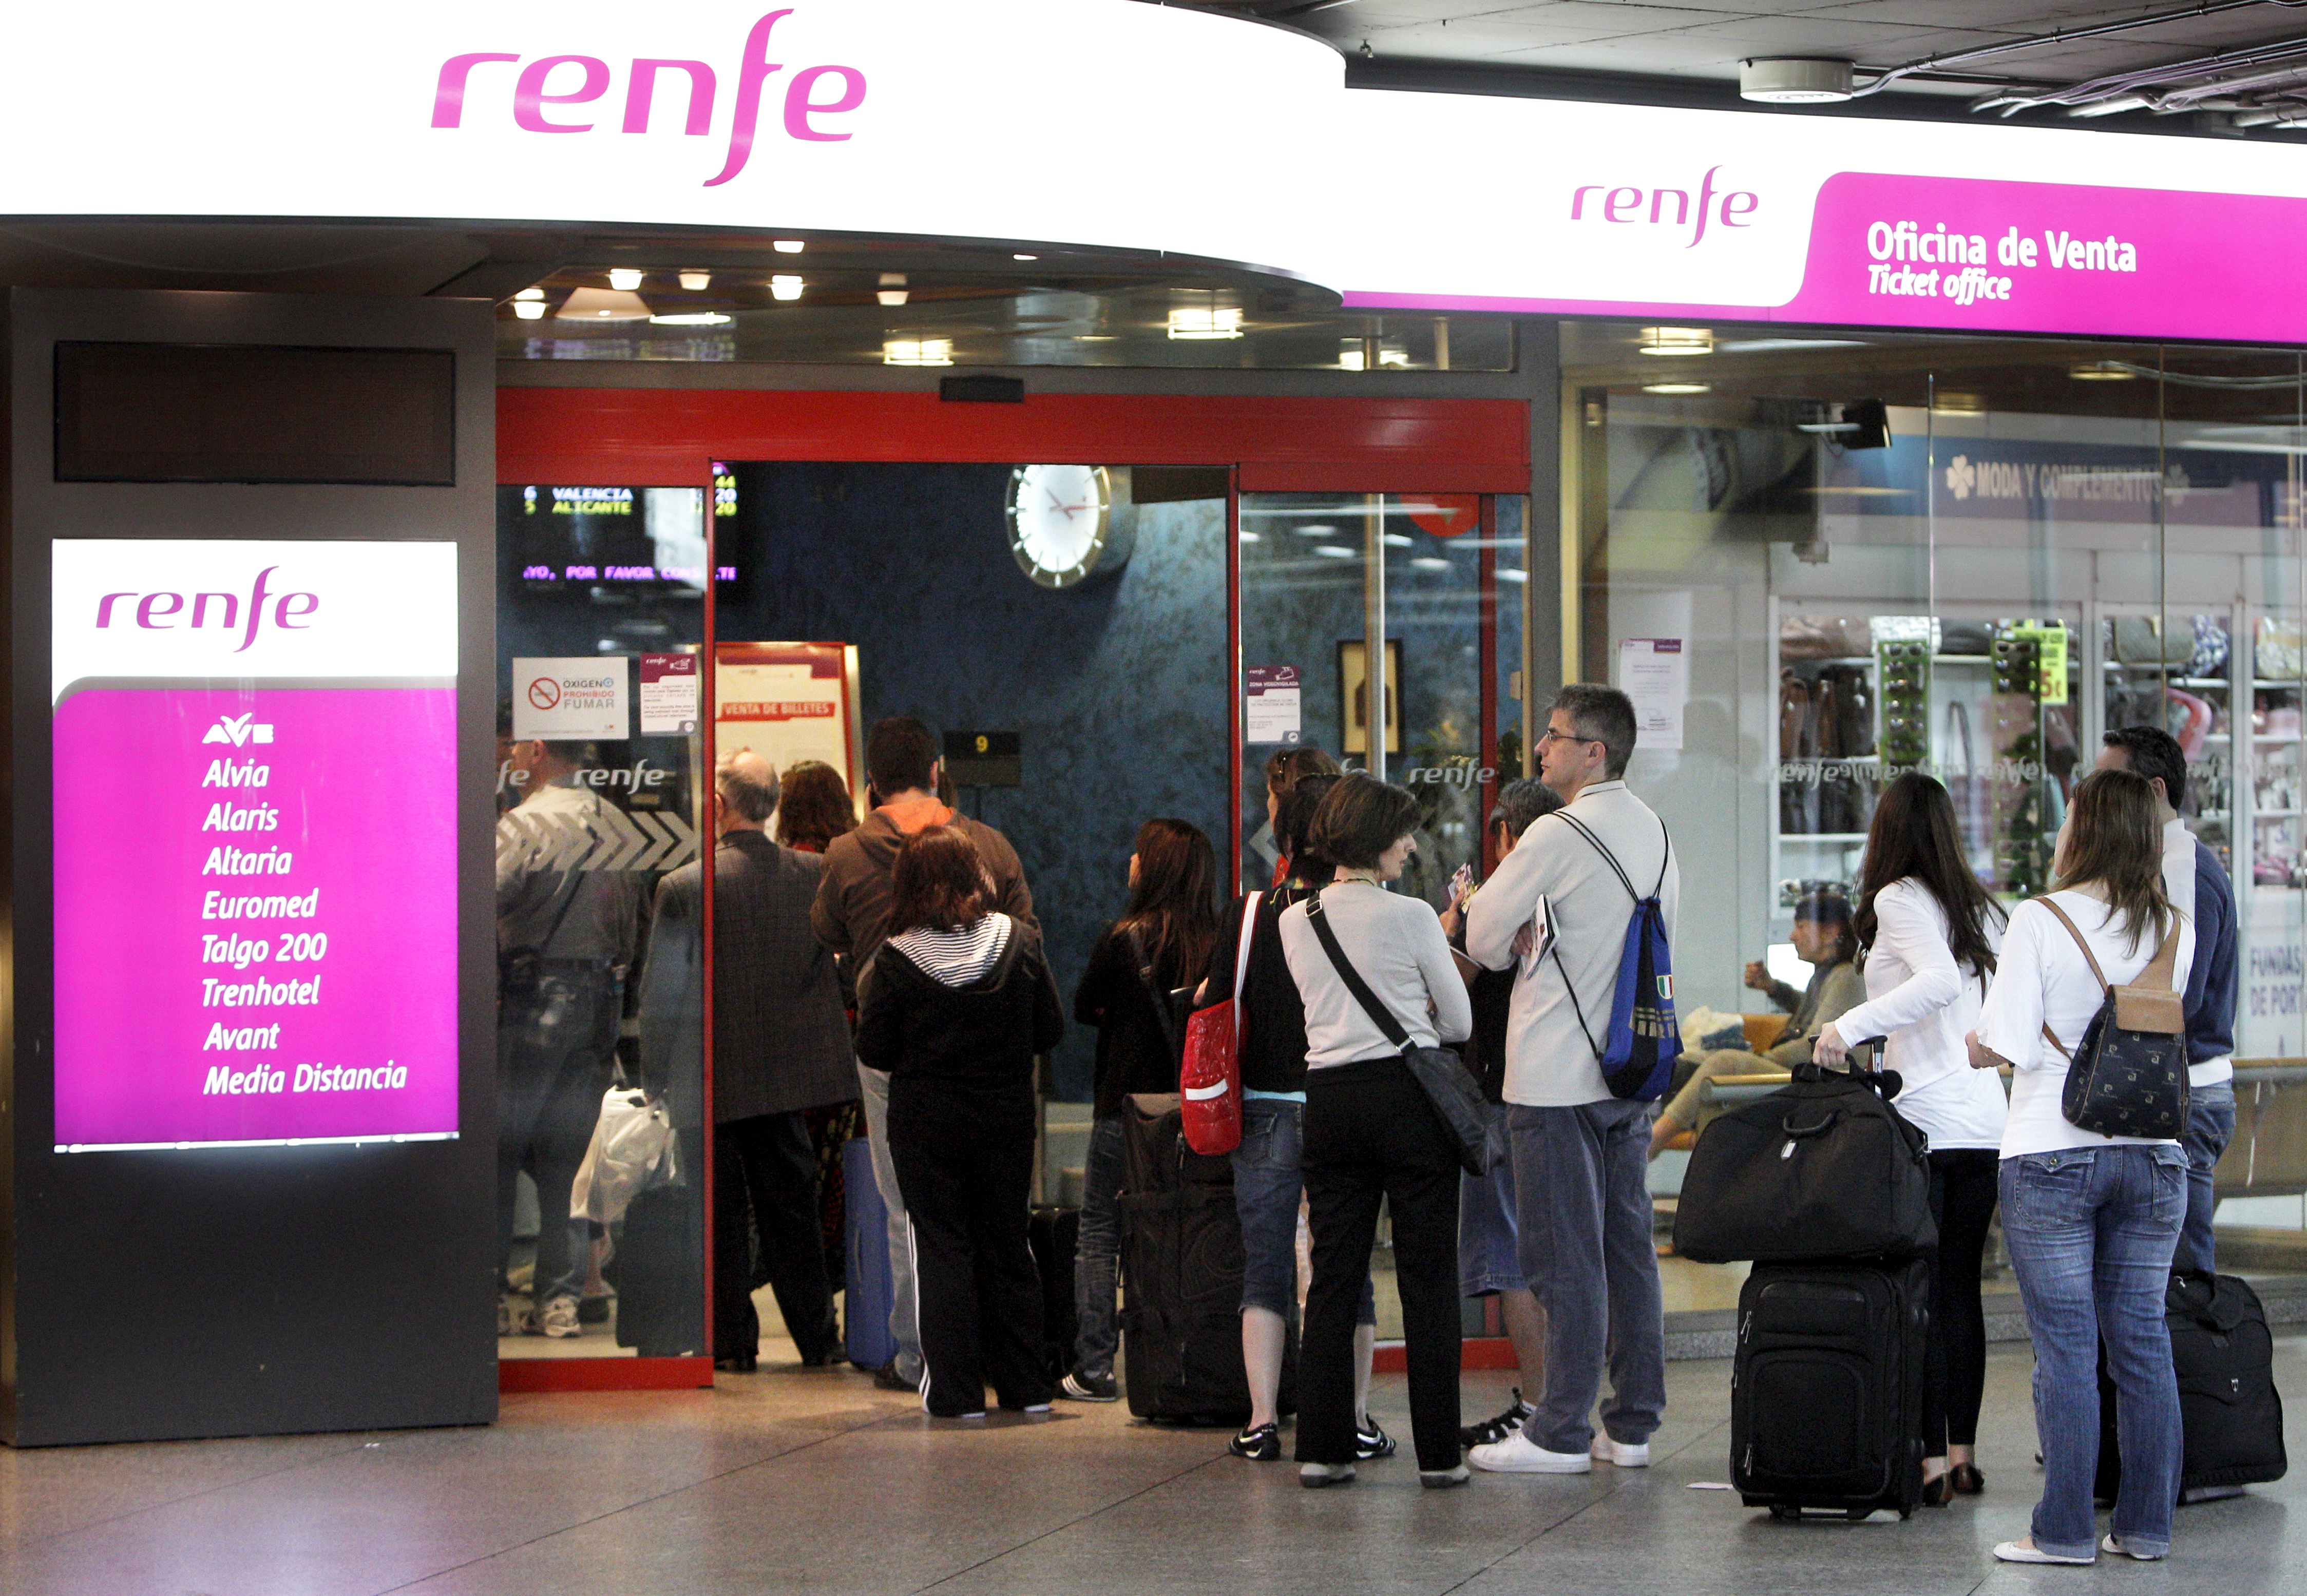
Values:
[(1181, 1262), (1056, 1236), (2230, 1412), (1826, 1395)]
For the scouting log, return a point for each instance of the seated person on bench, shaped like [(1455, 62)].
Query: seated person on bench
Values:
[(1822, 939)]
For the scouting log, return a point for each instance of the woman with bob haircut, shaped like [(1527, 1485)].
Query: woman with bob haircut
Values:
[(814, 807), (1372, 1133), (2091, 1221), (954, 1007)]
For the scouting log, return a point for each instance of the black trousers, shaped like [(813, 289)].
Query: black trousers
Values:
[(967, 1178), (769, 1159), (1371, 1134), (1954, 1369)]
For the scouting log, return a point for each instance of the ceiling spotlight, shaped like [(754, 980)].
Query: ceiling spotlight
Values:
[(788, 247), (1677, 388), (697, 282), (890, 296), (2101, 370), (1216, 321), (1677, 340), (1025, 257), (784, 287), (624, 278), (529, 310), (537, 293), (604, 304), (691, 319), (1795, 81), (917, 351)]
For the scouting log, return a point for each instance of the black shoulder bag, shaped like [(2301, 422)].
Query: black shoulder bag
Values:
[(1456, 1096), (2128, 1077)]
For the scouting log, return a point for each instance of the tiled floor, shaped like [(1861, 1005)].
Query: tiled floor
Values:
[(792, 1482)]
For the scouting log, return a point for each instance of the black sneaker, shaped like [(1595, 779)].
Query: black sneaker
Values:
[(888, 1378), (1372, 1442), (1492, 1431), (1259, 1444), (1078, 1386)]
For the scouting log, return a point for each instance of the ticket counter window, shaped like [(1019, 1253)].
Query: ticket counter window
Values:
[(601, 801), (1973, 558)]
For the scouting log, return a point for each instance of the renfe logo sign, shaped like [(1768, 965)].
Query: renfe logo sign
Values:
[(813, 94), (281, 711)]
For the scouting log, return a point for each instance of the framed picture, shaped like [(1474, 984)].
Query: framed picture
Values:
[(1353, 696)]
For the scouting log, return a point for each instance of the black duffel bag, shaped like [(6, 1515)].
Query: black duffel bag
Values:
[(1825, 1168)]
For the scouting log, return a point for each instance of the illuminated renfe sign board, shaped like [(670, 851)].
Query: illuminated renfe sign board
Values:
[(1111, 123), (255, 842)]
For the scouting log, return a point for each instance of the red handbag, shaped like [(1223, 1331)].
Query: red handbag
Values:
[(1209, 1082)]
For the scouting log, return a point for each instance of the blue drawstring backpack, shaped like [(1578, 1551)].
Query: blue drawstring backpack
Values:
[(1638, 1050)]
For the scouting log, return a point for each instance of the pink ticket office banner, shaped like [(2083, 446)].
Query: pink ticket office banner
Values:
[(255, 914)]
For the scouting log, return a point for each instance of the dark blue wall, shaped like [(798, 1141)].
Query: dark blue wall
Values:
[(1117, 689)]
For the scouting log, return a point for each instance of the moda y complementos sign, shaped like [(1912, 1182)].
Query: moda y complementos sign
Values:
[(1109, 122), (255, 842)]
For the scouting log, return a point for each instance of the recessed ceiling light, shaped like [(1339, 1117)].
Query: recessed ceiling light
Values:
[(529, 293), (604, 304), (697, 282), (624, 278), (529, 310), (1333, 551), (1677, 388), (1315, 532), (1197, 321), (1251, 537), (1795, 81), (693, 318), (1431, 562), (1507, 573), (784, 287), (917, 351), (2101, 370), (788, 247), (890, 296), (1396, 539), (1677, 340), (1025, 257)]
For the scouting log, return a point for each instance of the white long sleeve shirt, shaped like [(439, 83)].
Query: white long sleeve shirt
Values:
[(1549, 1059), (1395, 944), (2041, 979), (1925, 1003)]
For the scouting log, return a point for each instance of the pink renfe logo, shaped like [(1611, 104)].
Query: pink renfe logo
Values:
[(804, 103), (154, 610), (1649, 206)]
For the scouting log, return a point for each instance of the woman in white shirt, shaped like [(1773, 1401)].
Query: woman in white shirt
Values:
[(2091, 1221), (1372, 1133), (1930, 932)]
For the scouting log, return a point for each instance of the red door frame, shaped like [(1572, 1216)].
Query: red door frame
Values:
[(658, 438)]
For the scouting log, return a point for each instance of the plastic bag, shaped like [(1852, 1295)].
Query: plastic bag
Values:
[(633, 1149)]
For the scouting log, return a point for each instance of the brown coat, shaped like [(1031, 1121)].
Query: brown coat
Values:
[(851, 912)]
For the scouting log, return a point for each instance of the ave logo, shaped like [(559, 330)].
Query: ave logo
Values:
[(239, 730)]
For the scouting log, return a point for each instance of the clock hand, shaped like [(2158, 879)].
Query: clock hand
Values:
[(1053, 501)]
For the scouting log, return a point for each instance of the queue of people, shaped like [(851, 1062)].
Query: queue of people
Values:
[(920, 920)]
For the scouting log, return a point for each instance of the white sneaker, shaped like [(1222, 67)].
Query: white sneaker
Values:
[(1620, 1454), (1519, 1454), (559, 1320)]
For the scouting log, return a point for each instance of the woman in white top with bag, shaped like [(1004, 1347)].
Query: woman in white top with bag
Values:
[(1930, 931), (2091, 1220)]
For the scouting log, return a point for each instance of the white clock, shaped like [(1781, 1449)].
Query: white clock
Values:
[(1060, 517)]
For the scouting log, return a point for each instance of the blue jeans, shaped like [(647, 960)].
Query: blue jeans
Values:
[(2090, 1232), (1268, 1178), (1489, 1251), (1097, 1254), (2210, 1126), (1582, 1211)]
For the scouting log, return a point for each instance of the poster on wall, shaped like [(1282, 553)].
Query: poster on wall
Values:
[(1353, 696), (1272, 699), (255, 747), (572, 700), (1654, 672), (789, 702), (669, 698)]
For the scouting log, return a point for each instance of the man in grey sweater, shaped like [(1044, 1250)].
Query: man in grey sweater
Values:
[(1580, 1154)]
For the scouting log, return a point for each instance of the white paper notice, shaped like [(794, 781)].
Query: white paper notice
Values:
[(1274, 695), (1655, 673), (668, 696), (572, 699)]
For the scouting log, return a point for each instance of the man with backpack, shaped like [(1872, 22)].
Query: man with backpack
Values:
[(1581, 1150)]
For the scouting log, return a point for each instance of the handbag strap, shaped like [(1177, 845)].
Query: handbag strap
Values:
[(2166, 960), (1163, 1015), (1241, 953), (1380, 1015)]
